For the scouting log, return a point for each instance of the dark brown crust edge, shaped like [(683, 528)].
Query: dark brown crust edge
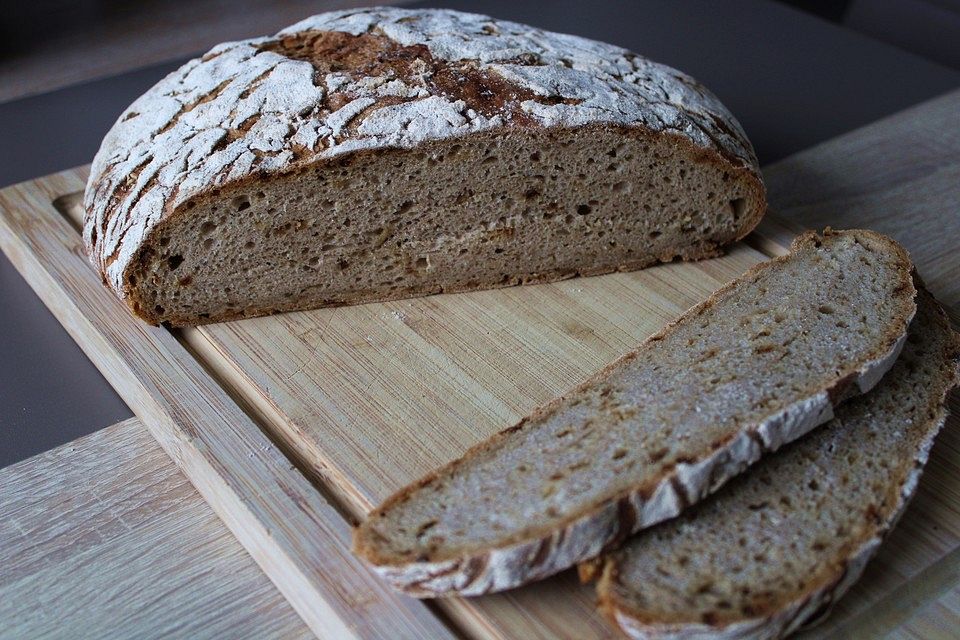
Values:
[(131, 295), (543, 534), (830, 583)]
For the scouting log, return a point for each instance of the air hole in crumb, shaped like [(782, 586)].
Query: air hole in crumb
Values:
[(174, 261), (207, 228), (737, 205), (240, 203), (619, 454), (659, 455), (655, 234), (619, 186), (825, 309), (208, 243), (583, 209), (249, 244), (426, 526)]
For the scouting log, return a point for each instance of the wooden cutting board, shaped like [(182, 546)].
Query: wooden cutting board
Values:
[(364, 399)]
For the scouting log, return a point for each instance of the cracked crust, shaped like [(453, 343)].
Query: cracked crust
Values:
[(835, 573), (541, 551), (370, 80)]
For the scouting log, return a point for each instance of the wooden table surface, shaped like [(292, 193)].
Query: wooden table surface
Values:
[(107, 536)]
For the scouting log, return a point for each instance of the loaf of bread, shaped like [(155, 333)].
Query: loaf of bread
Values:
[(777, 546), (758, 364), (383, 153)]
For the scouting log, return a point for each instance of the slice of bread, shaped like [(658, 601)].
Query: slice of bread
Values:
[(758, 364), (779, 545)]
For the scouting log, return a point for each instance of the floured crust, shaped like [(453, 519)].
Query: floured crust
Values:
[(836, 575), (267, 106), (537, 553)]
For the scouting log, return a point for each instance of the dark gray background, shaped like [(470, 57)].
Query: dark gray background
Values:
[(792, 78)]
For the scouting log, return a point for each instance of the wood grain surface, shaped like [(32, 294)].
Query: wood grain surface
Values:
[(367, 398), (105, 537), (296, 536)]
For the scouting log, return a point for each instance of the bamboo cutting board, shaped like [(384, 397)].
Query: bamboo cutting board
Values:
[(364, 399)]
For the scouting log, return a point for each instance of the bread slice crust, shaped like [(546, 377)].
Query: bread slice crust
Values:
[(782, 615), (541, 550)]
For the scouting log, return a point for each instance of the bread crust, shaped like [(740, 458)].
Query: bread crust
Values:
[(537, 553), (263, 108), (835, 578)]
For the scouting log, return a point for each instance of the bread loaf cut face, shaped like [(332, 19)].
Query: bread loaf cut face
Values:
[(776, 547), (386, 153), (758, 364)]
